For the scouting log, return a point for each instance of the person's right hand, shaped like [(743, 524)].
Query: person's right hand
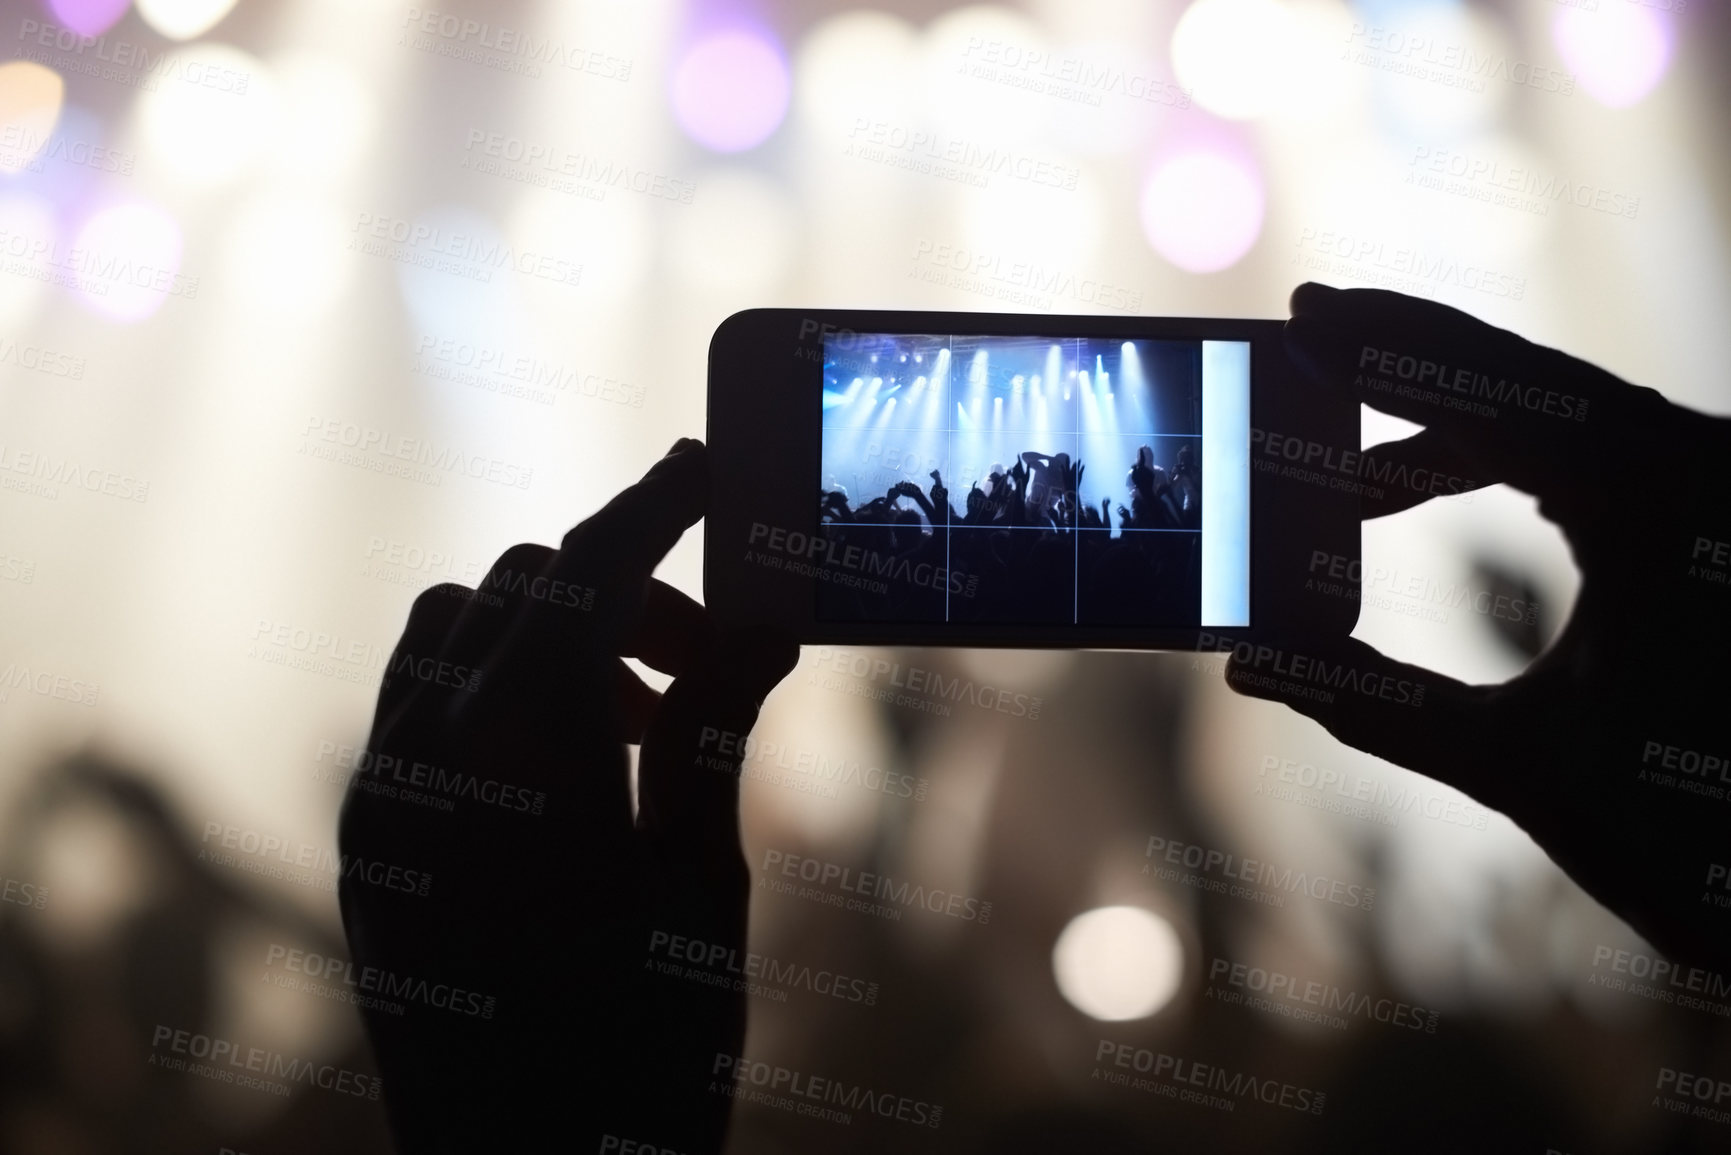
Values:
[(1612, 749)]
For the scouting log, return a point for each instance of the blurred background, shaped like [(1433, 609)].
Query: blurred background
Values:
[(308, 305)]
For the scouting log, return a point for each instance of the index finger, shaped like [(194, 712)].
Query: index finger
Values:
[(1537, 418), (610, 554)]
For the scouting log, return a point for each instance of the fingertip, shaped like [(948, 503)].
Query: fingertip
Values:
[(1311, 296)]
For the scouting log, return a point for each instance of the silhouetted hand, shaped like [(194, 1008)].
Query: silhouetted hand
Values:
[(1609, 749), (546, 892)]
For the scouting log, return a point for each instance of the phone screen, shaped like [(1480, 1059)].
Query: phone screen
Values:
[(1034, 480)]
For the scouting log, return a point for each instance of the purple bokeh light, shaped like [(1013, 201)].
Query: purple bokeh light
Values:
[(1619, 52), (731, 90), (88, 17)]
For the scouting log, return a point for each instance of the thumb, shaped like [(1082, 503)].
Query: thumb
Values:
[(692, 751)]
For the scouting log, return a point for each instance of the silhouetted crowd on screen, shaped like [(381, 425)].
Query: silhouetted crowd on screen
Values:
[(1026, 548)]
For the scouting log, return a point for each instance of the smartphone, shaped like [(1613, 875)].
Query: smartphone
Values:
[(1033, 481)]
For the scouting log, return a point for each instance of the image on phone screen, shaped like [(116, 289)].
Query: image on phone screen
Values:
[(1035, 480)]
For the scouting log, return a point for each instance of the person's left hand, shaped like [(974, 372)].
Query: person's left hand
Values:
[(547, 1015)]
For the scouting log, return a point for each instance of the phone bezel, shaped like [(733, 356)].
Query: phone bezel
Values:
[(765, 446)]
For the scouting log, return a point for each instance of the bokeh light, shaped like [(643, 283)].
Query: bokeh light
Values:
[(1234, 55), (128, 261), (30, 99), (184, 19), (88, 17), (731, 91), (29, 245), (1618, 53), (1202, 210), (1115, 963), (210, 115), (858, 66)]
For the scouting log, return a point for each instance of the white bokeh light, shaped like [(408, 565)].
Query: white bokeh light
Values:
[(979, 64), (1115, 963), (1234, 55), (183, 19), (128, 261), (325, 118), (853, 70), (29, 241), (1202, 210), (213, 111)]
